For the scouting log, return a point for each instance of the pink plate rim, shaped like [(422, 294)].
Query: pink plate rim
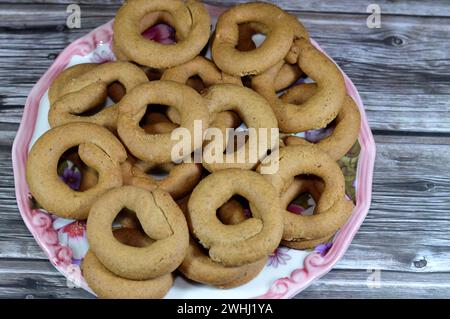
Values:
[(315, 266)]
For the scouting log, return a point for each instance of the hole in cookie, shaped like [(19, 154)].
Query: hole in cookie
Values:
[(234, 211), (250, 37), (74, 172), (153, 114), (116, 91), (196, 83), (160, 171), (300, 197), (315, 136), (132, 237), (247, 81), (155, 120), (153, 74), (157, 26), (126, 218)]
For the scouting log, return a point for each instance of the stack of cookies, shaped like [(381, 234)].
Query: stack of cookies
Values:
[(214, 221)]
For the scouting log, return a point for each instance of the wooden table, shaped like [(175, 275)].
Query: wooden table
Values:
[(402, 71)]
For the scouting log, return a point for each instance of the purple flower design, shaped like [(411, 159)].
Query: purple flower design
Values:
[(323, 249), (72, 177), (247, 213), (278, 257), (315, 136), (296, 209), (161, 33)]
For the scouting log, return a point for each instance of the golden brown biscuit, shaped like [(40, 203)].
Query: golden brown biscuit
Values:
[(117, 91), (249, 241), (306, 244), (89, 90), (313, 187), (66, 76), (97, 148), (201, 67), (179, 182), (289, 72), (275, 47), (209, 75), (157, 148), (255, 113), (321, 108), (181, 178), (162, 221), (190, 20), (199, 267), (334, 208), (108, 285), (347, 122)]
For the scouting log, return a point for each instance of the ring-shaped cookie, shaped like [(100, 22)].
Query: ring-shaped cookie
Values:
[(314, 188), (97, 148), (108, 285), (249, 29), (318, 110), (253, 110), (157, 148), (150, 20), (90, 90), (66, 76), (199, 267), (300, 160), (207, 72), (347, 123), (233, 212), (289, 72), (249, 241), (161, 219), (179, 182), (130, 42), (117, 91), (274, 48)]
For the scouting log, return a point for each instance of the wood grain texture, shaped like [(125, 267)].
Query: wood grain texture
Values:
[(403, 74), (403, 7)]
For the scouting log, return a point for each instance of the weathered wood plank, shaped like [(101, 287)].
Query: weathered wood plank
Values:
[(402, 7), (408, 91), (345, 284), (37, 279)]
